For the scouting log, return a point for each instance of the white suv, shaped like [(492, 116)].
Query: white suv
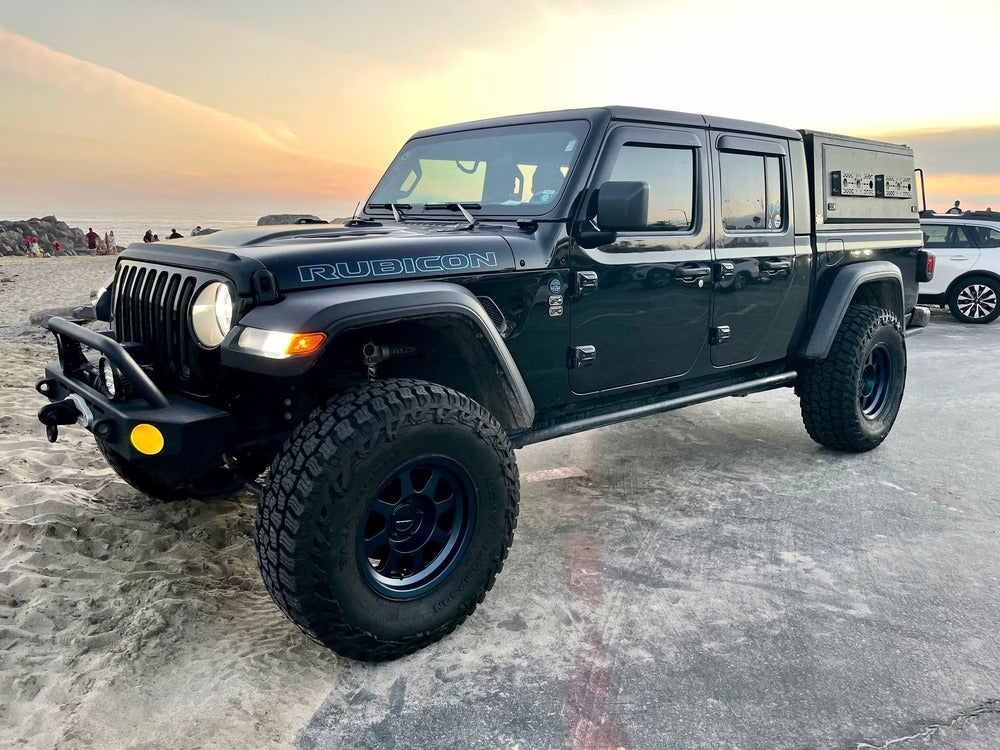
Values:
[(967, 275)]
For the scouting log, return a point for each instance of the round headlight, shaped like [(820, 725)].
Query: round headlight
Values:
[(224, 308), (212, 314)]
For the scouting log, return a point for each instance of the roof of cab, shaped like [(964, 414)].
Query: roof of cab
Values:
[(603, 115)]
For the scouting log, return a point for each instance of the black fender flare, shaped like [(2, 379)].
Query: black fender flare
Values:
[(845, 285), (333, 310)]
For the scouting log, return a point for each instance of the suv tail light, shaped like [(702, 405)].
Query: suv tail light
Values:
[(925, 265)]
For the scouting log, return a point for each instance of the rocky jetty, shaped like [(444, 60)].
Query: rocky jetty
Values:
[(49, 230), (288, 219)]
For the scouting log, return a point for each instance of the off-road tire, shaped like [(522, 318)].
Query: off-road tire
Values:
[(850, 399), (975, 300), (220, 483), (314, 515)]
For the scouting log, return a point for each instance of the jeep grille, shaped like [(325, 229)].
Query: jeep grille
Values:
[(151, 308)]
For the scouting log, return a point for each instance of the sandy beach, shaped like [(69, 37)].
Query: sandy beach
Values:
[(117, 613)]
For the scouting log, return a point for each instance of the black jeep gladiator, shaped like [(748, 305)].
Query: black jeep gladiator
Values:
[(507, 282)]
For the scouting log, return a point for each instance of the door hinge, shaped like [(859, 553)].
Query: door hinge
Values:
[(719, 334), (582, 356), (724, 270)]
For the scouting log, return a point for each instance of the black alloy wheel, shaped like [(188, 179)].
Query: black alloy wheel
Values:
[(416, 527), (876, 382)]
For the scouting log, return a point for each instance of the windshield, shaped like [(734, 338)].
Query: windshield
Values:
[(516, 170)]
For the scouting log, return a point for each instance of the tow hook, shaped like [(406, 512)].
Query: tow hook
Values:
[(70, 410)]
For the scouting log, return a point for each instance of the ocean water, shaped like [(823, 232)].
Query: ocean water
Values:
[(130, 228)]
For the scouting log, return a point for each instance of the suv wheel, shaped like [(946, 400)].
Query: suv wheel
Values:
[(850, 400), (387, 516), (975, 300)]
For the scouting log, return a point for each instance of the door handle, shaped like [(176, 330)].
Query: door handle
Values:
[(775, 265), (692, 272), (958, 257), (724, 270)]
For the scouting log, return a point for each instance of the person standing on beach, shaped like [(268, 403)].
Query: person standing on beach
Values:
[(112, 243), (956, 209), (35, 251), (27, 245), (92, 239)]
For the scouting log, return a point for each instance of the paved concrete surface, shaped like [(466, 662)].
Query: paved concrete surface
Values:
[(711, 578)]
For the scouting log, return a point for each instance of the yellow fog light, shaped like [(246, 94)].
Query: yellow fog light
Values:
[(147, 439)]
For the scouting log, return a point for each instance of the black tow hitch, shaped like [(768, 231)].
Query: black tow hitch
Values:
[(57, 413)]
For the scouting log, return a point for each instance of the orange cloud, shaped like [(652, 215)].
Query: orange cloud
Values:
[(119, 133), (25, 57)]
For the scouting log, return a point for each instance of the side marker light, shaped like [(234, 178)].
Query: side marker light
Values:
[(305, 343)]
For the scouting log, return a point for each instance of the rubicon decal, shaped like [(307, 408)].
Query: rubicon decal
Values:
[(361, 269)]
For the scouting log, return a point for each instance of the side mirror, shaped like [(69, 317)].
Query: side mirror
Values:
[(623, 206), (620, 207)]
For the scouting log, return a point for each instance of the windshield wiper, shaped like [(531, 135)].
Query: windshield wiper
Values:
[(396, 208), (457, 207)]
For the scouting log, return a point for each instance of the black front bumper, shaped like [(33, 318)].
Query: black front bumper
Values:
[(195, 435)]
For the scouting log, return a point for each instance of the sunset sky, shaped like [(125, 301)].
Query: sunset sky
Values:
[(261, 107)]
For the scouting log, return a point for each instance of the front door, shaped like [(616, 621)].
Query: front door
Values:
[(640, 306), (754, 250)]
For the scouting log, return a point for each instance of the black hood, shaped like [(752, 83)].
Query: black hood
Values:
[(316, 255)]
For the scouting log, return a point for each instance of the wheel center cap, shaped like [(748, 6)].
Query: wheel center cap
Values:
[(406, 519), (868, 382)]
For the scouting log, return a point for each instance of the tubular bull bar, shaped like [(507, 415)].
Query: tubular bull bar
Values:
[(194, 434)]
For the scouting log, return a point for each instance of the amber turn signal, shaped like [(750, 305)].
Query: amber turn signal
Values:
[(305, 343)]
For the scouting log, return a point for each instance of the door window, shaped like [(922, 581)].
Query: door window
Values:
[(670, 174), (944, 236), (752, 192), (986, 237)]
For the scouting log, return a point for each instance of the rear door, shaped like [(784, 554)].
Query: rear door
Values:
[(956, 250), (754, 266)]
